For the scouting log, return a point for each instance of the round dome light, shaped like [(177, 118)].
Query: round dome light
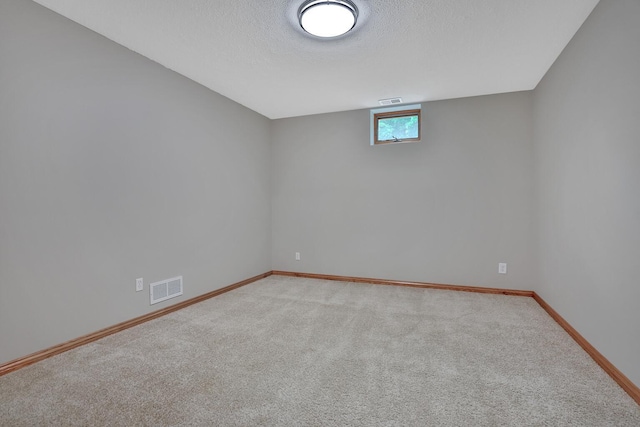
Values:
[(327, 18)]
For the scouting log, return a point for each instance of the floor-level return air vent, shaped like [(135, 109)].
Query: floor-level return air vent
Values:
[(165, 289)]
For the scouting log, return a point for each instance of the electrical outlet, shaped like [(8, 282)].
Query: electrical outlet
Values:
[(297, 256), (139, 284), (502, 268)]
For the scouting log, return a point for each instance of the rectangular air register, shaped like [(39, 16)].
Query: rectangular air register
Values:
[(165, 289), (390, 101)]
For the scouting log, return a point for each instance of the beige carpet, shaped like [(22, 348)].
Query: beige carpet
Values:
[(293, 352)]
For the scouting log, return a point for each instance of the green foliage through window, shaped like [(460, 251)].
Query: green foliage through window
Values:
[(398, 128), (396, 125)]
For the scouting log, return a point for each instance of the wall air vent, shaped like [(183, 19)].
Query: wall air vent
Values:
[(165, 289), (390, 101)]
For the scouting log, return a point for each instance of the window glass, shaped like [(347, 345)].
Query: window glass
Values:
[(395, 124), (393, 128)]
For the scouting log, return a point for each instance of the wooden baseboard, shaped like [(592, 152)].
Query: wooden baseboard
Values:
[(624, 382), (86, 339), (423, 285)]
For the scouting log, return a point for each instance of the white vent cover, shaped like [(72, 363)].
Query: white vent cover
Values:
[(390, 101), (165, 289)]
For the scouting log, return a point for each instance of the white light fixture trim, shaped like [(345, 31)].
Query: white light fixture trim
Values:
[(327, 18)]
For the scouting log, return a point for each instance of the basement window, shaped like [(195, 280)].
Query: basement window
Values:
[(394, 125)]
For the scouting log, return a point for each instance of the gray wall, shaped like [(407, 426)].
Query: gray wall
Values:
[(111, 168), (587, 139), (447, 209)]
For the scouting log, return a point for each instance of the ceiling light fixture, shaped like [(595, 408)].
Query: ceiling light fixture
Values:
[(327, 18)]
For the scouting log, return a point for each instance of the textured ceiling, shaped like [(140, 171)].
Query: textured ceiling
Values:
[(254, 52)]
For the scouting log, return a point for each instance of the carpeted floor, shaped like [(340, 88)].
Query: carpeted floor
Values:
[(293, 352)]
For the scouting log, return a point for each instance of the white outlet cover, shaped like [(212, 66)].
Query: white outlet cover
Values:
[(139, 284), (297, 256), (502, 268)]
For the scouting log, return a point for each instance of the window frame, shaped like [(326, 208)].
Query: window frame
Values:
[(378, 114)]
